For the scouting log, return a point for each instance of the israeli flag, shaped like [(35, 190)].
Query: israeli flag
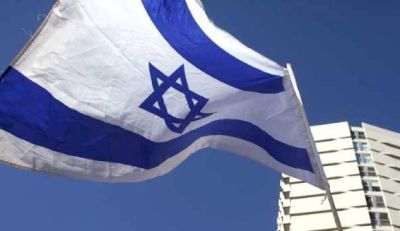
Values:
[(125, 90)]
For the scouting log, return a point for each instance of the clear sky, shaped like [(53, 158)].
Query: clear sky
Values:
[(345, 55)]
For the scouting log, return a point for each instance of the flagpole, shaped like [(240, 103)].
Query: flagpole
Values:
[(318, 164)]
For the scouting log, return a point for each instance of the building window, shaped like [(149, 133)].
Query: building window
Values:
[(379, 219), (367, 171), (361, 135), (357, 135), (360, 146), (286, 180), (286, 227), (286, 210), (363, 158), (375, 202), (371, 185), (286, 195)]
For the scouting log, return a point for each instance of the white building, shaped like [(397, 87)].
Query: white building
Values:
[(362, 165)]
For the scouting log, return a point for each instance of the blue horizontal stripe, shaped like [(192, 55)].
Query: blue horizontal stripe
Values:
[(175, 22), (29, 112)]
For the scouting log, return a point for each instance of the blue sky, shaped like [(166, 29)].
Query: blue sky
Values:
[(345, 55)]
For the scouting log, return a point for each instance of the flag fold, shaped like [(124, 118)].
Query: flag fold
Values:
[(126, 90)]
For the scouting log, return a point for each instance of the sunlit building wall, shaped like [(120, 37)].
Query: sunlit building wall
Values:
[(362, 165)]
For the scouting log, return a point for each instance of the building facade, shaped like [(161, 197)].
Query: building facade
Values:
[(362, 165)]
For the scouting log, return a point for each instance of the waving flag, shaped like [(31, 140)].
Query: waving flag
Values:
[(125, 90)]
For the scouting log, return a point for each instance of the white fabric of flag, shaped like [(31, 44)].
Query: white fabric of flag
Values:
[(125, 90)]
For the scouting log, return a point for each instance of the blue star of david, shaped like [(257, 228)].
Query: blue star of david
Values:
[(155, 102)]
